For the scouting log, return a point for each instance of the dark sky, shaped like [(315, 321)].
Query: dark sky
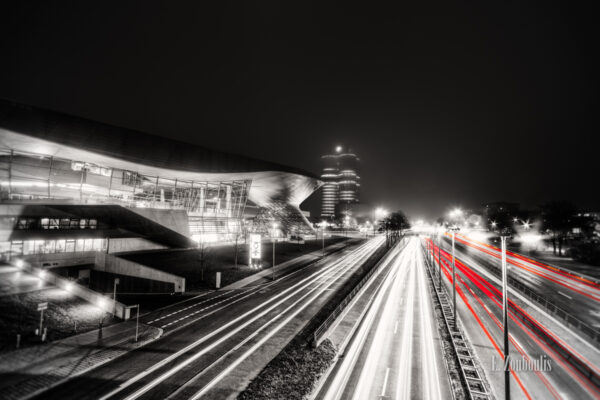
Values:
[(446, 104)]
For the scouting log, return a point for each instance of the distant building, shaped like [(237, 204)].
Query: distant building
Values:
[(341, 186)]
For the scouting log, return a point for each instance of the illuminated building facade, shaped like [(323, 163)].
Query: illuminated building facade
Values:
[(341, 182), (70, 184)]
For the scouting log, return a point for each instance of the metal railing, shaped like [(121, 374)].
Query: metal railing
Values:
[(471, 376), (541, 332)]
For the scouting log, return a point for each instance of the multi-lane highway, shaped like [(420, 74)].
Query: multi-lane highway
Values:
[(577, 295), (550, 360), (216, 343), (396, 351)]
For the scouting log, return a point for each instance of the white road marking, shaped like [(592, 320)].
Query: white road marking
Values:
[(387, 373), (566, 295), (294, 289)]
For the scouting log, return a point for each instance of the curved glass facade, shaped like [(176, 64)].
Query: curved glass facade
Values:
[(215, 208)]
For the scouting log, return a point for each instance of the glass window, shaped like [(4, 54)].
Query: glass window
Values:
[(22, 223), (93, 224), (4, 251), (74, 223), (16, 248), (79, 245), (89, 243), (97, 246), (49, 246), (54, 223), (60, 246), (83, 223), (44, 222), (70, 246), (65, 223), (28, 247), (39, 247)]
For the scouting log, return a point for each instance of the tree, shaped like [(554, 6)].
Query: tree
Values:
[(238, 235), (393, 225), (558, 220), (204, 256)]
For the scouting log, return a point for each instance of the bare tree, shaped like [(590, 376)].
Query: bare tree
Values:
[(238, 236), (203, 257), (558, 219)]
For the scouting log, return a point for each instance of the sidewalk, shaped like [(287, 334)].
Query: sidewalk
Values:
[(285, 267), (27, 372)]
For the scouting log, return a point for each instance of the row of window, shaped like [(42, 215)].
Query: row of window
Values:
[(56, 223), (26, 247)]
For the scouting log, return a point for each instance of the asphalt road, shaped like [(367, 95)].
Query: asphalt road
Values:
[(216, 343), (577, 296), (396, 351), (479, 303)]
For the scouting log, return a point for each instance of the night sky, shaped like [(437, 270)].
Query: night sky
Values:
[(446, 104)]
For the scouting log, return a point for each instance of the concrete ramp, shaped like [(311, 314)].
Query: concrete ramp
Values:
[(120, 266)]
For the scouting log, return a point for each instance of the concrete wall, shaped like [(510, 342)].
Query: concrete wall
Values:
[(176, 220), (99, 300), (118, 245), (116, 265), (60, 259)]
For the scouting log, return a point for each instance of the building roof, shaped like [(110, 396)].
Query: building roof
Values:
[(127, 144), (34, 130)]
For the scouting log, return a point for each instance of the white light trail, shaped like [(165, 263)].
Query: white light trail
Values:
[(295, 289), (431, 383)]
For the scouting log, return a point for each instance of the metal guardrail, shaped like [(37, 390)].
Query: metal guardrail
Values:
[(321, 330), (472, 376)]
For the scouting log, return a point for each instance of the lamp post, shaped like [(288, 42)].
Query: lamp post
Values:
[(323, 224), (439, 259), (505, 318), (273, 267), (454, 229), (115, 296), (137, 321)]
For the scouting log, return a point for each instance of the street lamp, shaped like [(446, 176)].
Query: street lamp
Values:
[(323, 225), (454, 230), (115, 296), (439, 258), (505, 317), (274, 226)]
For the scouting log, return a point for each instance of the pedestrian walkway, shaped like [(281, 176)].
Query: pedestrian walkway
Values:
[(27, 372)]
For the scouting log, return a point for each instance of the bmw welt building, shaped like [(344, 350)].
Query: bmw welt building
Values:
[(69, 186)]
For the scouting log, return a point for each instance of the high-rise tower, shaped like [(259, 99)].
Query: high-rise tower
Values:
[(342, 182)]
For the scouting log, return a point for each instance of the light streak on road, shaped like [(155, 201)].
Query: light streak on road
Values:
[(565, 379), (397, 343), (172, 365), (572, 282)]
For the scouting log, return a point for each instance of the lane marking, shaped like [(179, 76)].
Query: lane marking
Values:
[(387, 373), (566, 295), (396, 327), (296, 288)]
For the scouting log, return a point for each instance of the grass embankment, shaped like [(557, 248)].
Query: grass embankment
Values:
[(66, 315), (295, 371), (187, 263)]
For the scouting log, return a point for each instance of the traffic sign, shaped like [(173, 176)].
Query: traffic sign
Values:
[(42, 306)]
